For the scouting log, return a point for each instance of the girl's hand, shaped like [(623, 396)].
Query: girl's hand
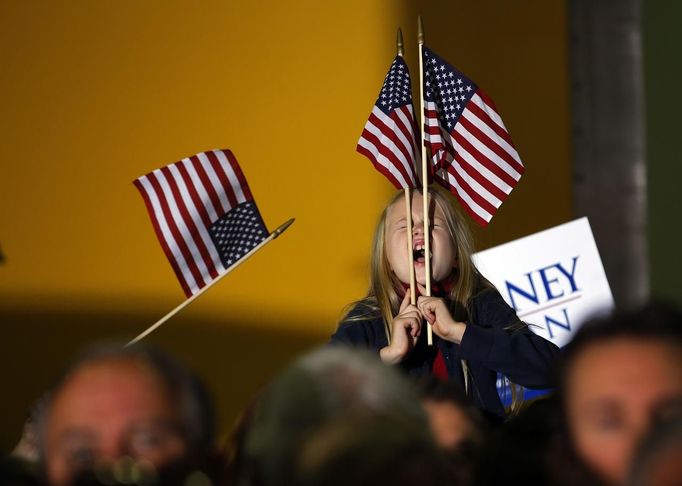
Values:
[(405, 330), (436, 312)]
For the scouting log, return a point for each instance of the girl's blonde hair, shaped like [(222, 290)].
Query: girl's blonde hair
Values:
[(382, 299)]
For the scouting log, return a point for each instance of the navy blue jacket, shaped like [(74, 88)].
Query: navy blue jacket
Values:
[(522, 356)]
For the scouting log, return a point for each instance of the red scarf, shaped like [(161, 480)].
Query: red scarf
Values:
[(438, 289)]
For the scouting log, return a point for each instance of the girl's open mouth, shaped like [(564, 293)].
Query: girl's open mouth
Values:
[(419, 254)]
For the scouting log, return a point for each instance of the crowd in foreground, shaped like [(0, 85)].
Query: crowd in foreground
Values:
[(339, 416)]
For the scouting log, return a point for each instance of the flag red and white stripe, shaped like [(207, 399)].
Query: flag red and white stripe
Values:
[(187, 202), (472, 152), (388, 139)]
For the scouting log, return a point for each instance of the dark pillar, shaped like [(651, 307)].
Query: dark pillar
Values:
[(609, 167)]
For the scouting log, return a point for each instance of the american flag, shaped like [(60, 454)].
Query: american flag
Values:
[(472, 153), (388, 139), (204, 215)]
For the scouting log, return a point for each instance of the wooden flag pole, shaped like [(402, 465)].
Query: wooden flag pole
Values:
[(408, 208), (410, 254), (267, 240), (425, 178)]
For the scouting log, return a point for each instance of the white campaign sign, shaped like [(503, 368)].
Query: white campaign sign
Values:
[(554, 279)]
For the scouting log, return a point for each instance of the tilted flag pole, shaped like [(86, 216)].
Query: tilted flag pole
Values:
[(425, 177), (408, 207), (282, 228), (205, 218)]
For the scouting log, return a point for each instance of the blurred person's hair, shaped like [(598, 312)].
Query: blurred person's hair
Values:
[(356, 382), (433, 388), (438, 390), (321, 395), (656, 321), (183, 386)]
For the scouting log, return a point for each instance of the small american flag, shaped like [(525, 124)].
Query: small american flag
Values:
[(388, 139), (203, 214), (472, 153)]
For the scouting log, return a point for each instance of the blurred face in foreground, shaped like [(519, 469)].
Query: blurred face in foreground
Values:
[(614, 389), (449, 424), (107, 410)]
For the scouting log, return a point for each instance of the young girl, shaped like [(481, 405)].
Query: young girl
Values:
[(476, 334)]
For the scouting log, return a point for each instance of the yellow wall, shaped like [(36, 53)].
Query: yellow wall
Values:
[(98, 93), (95, 94)]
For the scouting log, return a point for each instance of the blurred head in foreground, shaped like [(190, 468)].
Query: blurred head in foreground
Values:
[(339, 416), (618, 376), (130, 409), (455, 423)]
